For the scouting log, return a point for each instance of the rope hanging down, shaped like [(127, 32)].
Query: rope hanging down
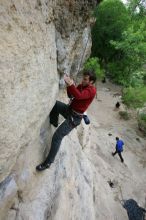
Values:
[(83, 55)]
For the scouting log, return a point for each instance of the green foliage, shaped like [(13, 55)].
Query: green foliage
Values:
[(111, 20), (134, 97), (119, 41), (93, 64), (118, 38), (143, 117), (133, 54), (121, 75), (142, 120), (133, 46), (116, 73), (137, 79), (144, 78)]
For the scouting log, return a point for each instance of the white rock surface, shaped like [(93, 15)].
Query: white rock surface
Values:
[(29, 75), (8, 190), (37, 41)]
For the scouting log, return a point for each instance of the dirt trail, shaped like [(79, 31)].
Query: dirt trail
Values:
[(130, 177)]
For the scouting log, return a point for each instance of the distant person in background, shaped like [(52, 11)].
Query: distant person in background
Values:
[(117, 105), (119, 148), (104, 80)]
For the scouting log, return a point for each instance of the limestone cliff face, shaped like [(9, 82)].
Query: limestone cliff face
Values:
[(73, 33), (39, 41)]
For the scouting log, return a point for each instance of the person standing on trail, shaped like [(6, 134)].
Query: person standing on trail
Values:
[(117, 105), (119, 148), (83, 95)]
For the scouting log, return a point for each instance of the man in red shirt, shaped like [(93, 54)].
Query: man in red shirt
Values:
[(82, 95)]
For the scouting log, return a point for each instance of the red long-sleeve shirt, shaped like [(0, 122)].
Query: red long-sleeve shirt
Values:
[(83, 96)]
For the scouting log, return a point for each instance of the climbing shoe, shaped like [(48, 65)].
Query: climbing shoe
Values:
[(43, 166)]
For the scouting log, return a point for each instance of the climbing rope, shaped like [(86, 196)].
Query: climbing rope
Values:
[(81, 61), (83, 55)]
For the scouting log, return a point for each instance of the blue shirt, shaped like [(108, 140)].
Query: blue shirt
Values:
[(119, 145)]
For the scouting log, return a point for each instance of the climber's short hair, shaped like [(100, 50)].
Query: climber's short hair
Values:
[(91, 74)]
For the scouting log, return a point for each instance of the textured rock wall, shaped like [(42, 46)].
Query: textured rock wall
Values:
[(29, 75), (39, 41), (72, 37)]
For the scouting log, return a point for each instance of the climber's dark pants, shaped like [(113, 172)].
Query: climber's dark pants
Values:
[(72, 120), (120, 155)]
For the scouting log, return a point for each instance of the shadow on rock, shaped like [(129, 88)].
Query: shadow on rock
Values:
[(45, 136)]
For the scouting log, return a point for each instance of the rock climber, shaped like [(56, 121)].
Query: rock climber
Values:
[(73, 113)]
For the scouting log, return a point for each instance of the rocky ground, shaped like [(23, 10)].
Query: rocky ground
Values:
[(77, 186), (129, 178)]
